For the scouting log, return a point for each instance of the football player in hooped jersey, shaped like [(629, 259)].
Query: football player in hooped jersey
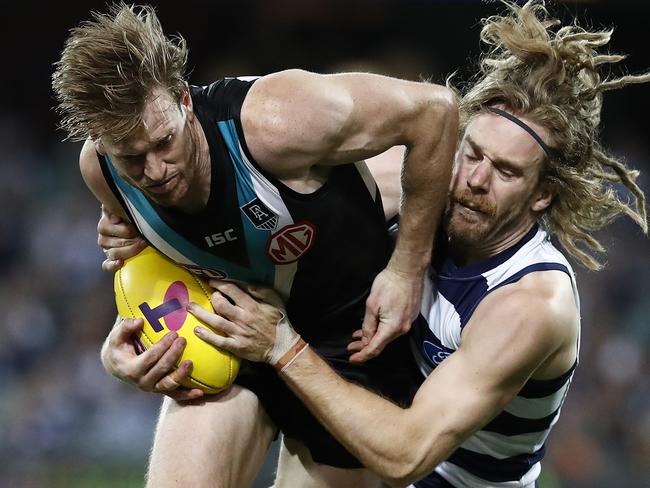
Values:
[(259, 180), (498, 334)]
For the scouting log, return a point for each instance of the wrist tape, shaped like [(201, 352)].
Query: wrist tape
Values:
[(288, 344), (291, 355)]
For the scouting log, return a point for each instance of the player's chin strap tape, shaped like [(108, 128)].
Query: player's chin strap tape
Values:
[(291, 355), (552, 154)]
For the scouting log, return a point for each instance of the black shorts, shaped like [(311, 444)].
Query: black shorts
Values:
[(393, 375)]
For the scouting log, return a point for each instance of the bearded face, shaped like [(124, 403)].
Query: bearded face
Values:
[(469, 218), (495, 193)]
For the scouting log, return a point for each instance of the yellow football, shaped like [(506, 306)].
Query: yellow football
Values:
[(156, 289)]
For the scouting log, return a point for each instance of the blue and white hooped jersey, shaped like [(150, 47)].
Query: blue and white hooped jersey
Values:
[(321, 250), (506, 453)]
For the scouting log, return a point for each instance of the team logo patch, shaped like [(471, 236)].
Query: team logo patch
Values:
[(260, 215), (291, 242)]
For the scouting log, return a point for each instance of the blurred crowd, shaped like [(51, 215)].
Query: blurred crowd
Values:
[(65, 422)]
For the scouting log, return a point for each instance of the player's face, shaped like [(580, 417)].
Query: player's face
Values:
[(161, 158), (495, 193)]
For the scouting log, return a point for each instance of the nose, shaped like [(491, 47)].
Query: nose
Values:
[(154, 167), (479, 176)]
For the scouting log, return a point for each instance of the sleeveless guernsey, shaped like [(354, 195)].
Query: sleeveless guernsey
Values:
[(506, 453)]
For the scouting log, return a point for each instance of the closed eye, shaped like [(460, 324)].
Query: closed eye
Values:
[(133, 157), (165, 142), (506, 172)]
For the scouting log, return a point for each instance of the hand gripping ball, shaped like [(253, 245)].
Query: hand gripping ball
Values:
[(154, 288)]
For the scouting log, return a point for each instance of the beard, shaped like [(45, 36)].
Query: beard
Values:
[(469, 219)]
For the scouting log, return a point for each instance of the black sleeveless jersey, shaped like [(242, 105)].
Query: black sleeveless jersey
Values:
[(321, 250)]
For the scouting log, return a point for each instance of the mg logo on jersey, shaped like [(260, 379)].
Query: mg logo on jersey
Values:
[(436, 354), (260, 215), (291, 242)]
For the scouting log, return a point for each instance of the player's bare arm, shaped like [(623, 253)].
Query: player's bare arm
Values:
[(522, 331), (296, 121), (116, 234)]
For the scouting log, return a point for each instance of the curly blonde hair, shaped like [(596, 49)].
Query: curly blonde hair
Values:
[(108, 68), (551, 74)]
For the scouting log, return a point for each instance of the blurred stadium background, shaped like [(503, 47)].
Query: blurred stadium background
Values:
[(65, 423)]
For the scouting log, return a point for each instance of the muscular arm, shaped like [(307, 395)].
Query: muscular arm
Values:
[(511, 335), (464, 393), (295, 120), (520, 331)]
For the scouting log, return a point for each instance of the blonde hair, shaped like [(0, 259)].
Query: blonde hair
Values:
[(551, 74), (108, 68)]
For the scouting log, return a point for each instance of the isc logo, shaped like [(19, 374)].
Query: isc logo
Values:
[(173, 309), (220, 237)]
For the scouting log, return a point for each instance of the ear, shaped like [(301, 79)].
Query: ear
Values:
[(186, 99), (99, 147), (542, 199)]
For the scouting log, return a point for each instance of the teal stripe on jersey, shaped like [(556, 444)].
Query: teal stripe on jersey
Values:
[(182, 245), (256, 239)]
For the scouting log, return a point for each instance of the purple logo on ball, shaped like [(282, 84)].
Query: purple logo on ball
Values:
[(173, 310)]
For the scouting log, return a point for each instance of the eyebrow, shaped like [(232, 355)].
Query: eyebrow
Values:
[(501, 161), (154, 143)]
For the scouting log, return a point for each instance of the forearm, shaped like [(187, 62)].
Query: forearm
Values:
[(400, 445), (382, 435), (426, 176)]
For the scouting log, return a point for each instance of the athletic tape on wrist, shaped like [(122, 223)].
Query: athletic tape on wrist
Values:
[(295, 356), (285, 339), (291, 355)]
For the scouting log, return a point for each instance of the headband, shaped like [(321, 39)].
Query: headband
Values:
[(550, 152)]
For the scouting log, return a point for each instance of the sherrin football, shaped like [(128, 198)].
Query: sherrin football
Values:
[(154, 288)]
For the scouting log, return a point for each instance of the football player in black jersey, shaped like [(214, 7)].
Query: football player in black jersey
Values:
[(121, 87)]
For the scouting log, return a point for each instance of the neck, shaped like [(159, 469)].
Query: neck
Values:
[(465, 254)]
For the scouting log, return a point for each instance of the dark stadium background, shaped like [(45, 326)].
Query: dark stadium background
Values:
[(66, 423)]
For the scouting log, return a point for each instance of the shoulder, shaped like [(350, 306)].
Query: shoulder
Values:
[(549, 295), (273, 98), (293, 117), (538, 311), (523, 329), (89, 164), (289, 85), (93, 176)]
